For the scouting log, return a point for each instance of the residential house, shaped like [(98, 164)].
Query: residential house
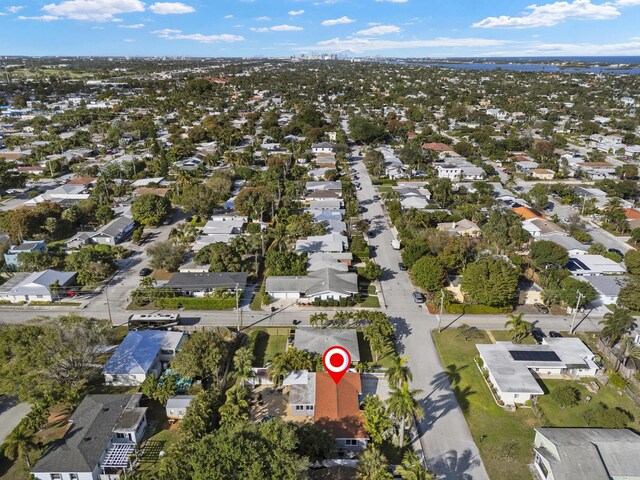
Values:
[(323, 186), (65, 195), (322, 147), (530, 293), (317, 340), (527, 213), (36, 286), (512, 369), (463, 228), (455, 287), (607, 286), (202, 284), (597, 170), (332, 242), (141, 354), (12, 256), (335, 261), (323, 284), (177, 406), (101, 438), (114, 232), (542, 173), (586, 265), (573, 246), (586, 453), (540, 227)]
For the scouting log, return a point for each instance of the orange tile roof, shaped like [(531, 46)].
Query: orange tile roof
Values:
[(159, 192), (437, 147), (596, 164), (81, 181), (632, 213), (527, 213), (337, 407)]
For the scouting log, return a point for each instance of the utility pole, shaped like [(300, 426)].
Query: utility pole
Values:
[(440, 314), (237, 310), (106, 294), (575, 311)]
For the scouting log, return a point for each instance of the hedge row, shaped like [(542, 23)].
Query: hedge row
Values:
[(189, 303), (459, 308)]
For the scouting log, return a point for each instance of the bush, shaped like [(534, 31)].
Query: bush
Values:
[(616, 380), (566, 395), (190, 303), (601, 416), (460, 308)]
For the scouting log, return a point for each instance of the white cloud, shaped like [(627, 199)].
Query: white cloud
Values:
[(15, 8), (173, 34), (285, 28), (259, 29), (359, 45), (91, 10), (337, 21), (552, 14), (41, 18), (128, 40), (380, 30), (171, 8), (293, 13), (263, 19), (627, 3), (393, 1), (228, 17), (137, 25)]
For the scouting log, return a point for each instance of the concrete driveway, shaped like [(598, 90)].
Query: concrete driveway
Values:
[(11, 414)]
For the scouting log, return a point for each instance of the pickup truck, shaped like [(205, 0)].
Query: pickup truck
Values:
[(395, 244)]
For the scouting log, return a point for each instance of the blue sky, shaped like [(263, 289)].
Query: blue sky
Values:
[(290, 27)]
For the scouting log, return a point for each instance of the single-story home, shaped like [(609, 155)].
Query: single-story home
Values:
[(114, 232), (512, 368), (336, 261), (542, 173), (324, 284), (586, 453), (200, 284), (607, 286), (35, 287), (463, 228), (540, 227), (140, 354), (333, 242), (529, 293), (317, 340), (586, 265), (177, 406), (102, 436), (11, 257)]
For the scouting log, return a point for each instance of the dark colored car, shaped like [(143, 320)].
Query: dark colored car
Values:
[(371, 234), (145, 272), (419, 297), (402, 267), (553, 334), (542, 308), (616, 251)]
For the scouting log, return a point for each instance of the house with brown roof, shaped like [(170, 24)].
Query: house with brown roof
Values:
[(528, 213), (437, 147), (542, 173)]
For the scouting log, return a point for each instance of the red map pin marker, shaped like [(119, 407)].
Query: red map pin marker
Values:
[(336, 362)]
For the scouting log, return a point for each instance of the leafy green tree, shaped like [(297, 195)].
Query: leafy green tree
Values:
[(629, 296), (379, 332), (377, 422), (199, 198), (319, 319), (104, 214), (92, 264), (374, 161), (202, 356), (505, 231), (519, 328), (413, 251), (221, 257), (202, 417), (149, 209), (602, 416), (372, 465), (632, 262), (242, 364), (167, 255), (569, 292), (286, 263), (315, 444), (37, 261), (428, 273), (442, 191), (566, 395), (545, 253), (236, 407), (366, 130), (403, 406), (9, 177), (372, 271), (255, 202), (539, 195), (491, 281), (19, 444), (288, 361)]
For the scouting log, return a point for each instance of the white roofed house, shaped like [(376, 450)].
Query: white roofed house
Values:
[(588, 265), (36, 286), (608, 288), (177, 406), (322, 147), (331, 243), (323, 284), (463, 228), (540, 227)]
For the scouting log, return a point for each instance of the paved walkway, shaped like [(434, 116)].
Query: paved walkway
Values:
[(11, 414)]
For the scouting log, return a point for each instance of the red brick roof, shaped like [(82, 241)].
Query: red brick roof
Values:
[(81, 181), (437, 147), (632, 213), (527, 213), (337, 407)]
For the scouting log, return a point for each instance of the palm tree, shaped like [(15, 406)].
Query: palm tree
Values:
[(19, 444), (236, 407), (242, 362), (615, 324), (412, 469), (403, 405), (318, 319), (398, 372), (631, 351), (372, 465), (519, 327)]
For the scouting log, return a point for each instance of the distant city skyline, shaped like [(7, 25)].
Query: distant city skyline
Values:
[(397, 28)]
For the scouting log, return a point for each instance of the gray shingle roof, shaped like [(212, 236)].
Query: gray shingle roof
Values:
[(208, 280), (317, 340)]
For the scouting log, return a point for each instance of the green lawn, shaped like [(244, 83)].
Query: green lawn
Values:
[(504, 336), (504, 439), (365, 353), (268, 345), (371, 301)]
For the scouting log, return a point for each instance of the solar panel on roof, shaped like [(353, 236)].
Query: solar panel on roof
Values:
[(533, 356), (575, 264)]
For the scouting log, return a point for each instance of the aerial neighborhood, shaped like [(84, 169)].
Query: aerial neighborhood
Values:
[(182, 240)]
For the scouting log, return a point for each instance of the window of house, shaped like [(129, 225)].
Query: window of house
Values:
[(166, 352), (73, 476), (299, 407), (350, 442), (309, 407), (121, 435), (56, 476)]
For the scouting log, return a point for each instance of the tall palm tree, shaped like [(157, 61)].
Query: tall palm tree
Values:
[(398, 372), (372, 465), (615, 324), (631, 351), (236, 407), (318, 319), (412, 468), (403, 405), (519, 327), (242, 362), (18, 445)]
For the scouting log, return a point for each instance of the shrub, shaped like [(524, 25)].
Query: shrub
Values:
[(616, 380), (189, 303), (566, 395), (601, 416), (459, 308)]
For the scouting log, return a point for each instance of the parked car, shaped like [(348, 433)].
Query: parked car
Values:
[(616, 251), (371, 234), (553, 334), (145, 272), (537, 335), (402, 267), (419, 297), (542, 308)]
